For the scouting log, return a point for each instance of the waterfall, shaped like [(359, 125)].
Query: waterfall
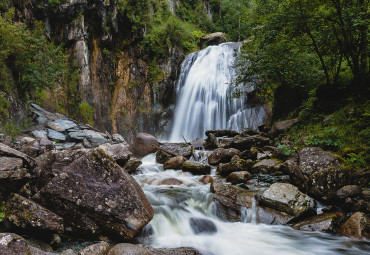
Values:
[(204, 100)]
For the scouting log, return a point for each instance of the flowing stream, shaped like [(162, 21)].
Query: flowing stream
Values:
[(186, 216), (204, 99)]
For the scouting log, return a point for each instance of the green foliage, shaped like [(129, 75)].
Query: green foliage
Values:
[(327, 138), (4, 107), (2, 211), (86, 113), (155, 72), (285, 150), (12, 129), (357, 160)]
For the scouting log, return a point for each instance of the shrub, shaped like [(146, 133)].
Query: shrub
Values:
[(86, 113)]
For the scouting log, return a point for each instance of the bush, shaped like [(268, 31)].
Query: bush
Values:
[(86, 113)]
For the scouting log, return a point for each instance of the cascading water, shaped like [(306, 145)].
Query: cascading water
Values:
[(204, 100)]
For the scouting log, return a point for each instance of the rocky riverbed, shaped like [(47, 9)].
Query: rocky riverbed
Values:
[(63, 181)]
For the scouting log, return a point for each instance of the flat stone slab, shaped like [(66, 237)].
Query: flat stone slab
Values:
[(52, 134), (61, 125), (40, 133), (62, 146), (78, 135)]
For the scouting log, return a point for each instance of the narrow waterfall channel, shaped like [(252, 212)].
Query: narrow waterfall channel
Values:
[(204, 100)]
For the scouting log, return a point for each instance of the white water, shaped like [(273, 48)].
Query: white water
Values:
[(204, 99), (174, 206)]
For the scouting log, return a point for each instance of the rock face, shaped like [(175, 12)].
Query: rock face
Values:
[(287, 198), (312, 159), (323, 222), (281, 127), (144, 144), (358, 225), (12, 244), (26, 214), (96, 197), (169, 150), (214, 38), (222, 155), (174, 163), (196, 168)]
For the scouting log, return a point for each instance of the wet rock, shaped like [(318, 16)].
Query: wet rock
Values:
[(6, 151), (144, 144), (266, 166), (95, 197), (214, 38), (206, 179), (234, 166), (222, 155), (12, 244), (40, 133), (118, 152), (282, 127), (287, 198), (349, 191), (238, 177), (61, 125), (170, 181), (101, 248), (52, 134), (169, 150), (325, 222), (249, 154), (174, 163), (211, 142), (32, 217), (248, 132), (246, 143), (132, 165), (312, 159), (200, 225), (358, 225), (270, 216), (196, 168), (220, 133)]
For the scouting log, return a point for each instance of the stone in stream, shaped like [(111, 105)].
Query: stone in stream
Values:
[(94, 196), (323, 222), (238, 177), (132, 165), (101, 248), (176, 149), (144, 144), (234, 166), (214, 38), (138, 249), (174, 163), (222, 155), (358, 226), (117, 138), (267, 166), (196, 167), (170, 181), (200, 225), (287, 198), (32, 217), (12, 244), (206, 179)]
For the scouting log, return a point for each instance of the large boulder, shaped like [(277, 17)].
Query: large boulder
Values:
[(234, 166), (282, 127), (196, 167), (169, 150), (37, 147), (238, 177), (349, 191), (222, 155), (211, 142), (96, 197), (13, 174), (144, 144), (287, 198), (32, 217), (175, 163), (118, 152), (325, 222), (12, 244), (243, 143), (6, 151), (358, 225), (312, 159), (267, 166), (214, 38)]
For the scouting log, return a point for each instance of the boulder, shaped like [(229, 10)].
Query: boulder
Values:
[(248, 132), (243, 143), (221, 133), (12, 244), (211, 142), (138, 249), (37, 147), (358, 226), (32, 217), (222, 155), (249, 154), (225, 142), (312, 159), (13, 175), (170, 181), (95, 197), (282, 127), (198, 144), (267, 166), (118, 152), (169, 150), (287, 198), (117, 138), (132, 165), (144, 144), (214, 39), (201, 225), (196, 167), (325, 222), (238, 177), (101, 248), (95, 138), (295, 173), (349, 191), (174, 163), (6, 151), (234, 166), (52, 134), (206, 179)]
